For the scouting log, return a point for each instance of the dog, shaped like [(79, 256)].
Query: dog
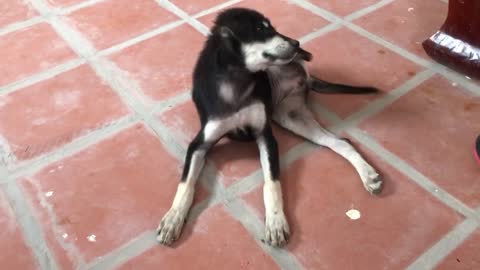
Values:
[(247, 76)]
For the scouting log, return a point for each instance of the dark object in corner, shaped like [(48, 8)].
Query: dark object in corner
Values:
[(457, 43)]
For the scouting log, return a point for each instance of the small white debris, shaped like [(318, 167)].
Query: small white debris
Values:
[(65, 235), (353, 214), (468, 78), (92, 238), (454, 84), (436, 190), (410, 9), (49, 194)]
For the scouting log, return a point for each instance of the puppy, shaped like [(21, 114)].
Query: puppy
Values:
[(247, 76)]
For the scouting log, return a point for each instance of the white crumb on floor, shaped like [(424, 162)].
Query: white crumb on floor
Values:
[(353, 214), (92, 238)]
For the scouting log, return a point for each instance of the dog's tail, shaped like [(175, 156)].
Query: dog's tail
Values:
[(324, 87)]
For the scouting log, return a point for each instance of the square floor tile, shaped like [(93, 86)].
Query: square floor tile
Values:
[(283, 14), (235, 160), (434, 128), (51, 113), (163, 65), (343, 7), (125, 184), (18, 59), (14, 11), (464, 257), (345, 57), (406, 23), (393, 228), (232, 247), (192, 7), (113, 21), (15, 253)]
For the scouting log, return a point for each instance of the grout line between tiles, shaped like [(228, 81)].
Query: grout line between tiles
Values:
[(364, 11), (145, 36), (440, 250), (216, 8), (122, 254), (44, 75), (182, 14), (402, 166), (31, 230), (245, 215), (20, 25), (76, 7), (320, 32), (380, 103), (170, 103), (7, 158), (32, 166)]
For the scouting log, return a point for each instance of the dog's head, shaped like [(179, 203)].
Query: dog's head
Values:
[(250, 35)]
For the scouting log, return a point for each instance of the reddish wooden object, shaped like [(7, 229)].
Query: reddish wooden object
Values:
[(457, 43)]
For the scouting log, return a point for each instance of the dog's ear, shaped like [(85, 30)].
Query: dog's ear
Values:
[(226, 32), (228, 39)]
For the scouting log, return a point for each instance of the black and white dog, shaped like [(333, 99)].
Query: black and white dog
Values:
[(247, 76)]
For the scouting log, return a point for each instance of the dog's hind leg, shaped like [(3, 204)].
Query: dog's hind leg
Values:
[(276, 225), (171, 225), (294, 115)]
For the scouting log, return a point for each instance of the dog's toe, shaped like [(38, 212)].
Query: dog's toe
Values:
[(170, 227), (276, 230), (374, 183)]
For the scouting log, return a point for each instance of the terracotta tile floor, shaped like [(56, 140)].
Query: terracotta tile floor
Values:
[(91, 148)]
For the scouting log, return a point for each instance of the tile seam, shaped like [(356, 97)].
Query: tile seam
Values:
[(30, 228)]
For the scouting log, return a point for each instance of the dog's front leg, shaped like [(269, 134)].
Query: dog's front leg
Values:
[(171, 225), (276, 226)]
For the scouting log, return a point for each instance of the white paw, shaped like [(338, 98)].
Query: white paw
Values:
[(277, 231), (170, 227), (372, 181)]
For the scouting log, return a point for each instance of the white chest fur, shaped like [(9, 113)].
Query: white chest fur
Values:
[(253, 115)]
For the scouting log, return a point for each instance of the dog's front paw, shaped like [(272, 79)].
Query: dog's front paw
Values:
[(170, 227), (372, 181), (277, 231)]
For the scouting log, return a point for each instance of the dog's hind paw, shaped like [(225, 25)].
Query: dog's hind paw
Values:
[(277, 231), (373, 183), (170, 227)]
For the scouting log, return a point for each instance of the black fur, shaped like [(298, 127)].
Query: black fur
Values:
[(324, 87)]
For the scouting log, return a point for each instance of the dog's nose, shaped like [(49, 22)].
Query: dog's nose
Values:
[(294, 43)]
